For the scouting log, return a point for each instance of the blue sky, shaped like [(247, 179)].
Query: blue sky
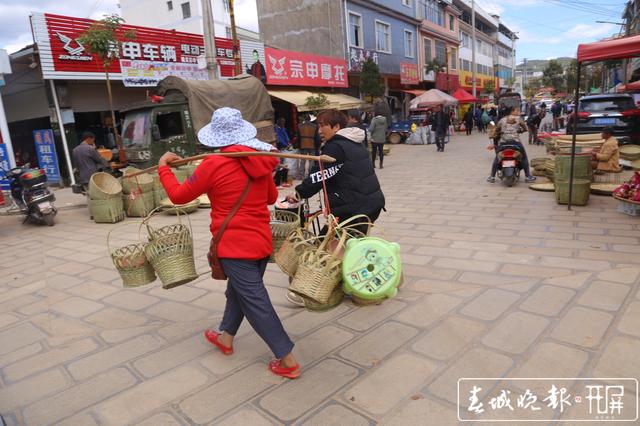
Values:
[(554, 28)]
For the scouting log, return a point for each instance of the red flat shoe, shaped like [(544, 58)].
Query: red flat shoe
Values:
[(212, 337), (288, 372)]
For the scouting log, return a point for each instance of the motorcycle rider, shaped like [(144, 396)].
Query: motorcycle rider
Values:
[(508, 133), (87, 159)]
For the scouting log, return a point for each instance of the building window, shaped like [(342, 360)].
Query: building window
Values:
[(169, 5), (406, 3), (383, 37), (427, 50), (451, 23), (355, 29), (465, 40), (441, 52), (432, 11), (186, 10), (408, 44), (454, 59), (228, 31)]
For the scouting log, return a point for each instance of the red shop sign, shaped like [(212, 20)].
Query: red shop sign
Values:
[(62, 56), (409, 73), (286, 68)]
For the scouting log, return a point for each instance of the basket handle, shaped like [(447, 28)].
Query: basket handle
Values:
[(122, 225), (311, 218)]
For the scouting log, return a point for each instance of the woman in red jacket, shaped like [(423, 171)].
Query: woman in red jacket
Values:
[(245, 245)]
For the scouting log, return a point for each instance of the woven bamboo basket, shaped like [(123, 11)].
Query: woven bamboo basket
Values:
[(132, 264), (282, 224), (136, 184), (170, 252), (138, 204), (334, 300), (107, 211), (169, 208), (103, 186), (299, 241), (319, 271)]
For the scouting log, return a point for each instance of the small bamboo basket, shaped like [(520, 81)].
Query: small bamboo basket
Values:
[(319, 271), (131, 263), (103, 186), (299, 241), (170, 252), (282, 224)]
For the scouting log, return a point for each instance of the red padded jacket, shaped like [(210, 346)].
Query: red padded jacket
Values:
[(223, 179)]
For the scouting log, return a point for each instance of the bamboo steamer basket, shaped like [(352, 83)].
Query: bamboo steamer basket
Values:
[(103, 186)]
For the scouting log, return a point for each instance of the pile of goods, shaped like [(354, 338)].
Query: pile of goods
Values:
[(631, 156), (544, 167), (105, 198), (138, 193), (556, 143), (629, 196), (323, 268)]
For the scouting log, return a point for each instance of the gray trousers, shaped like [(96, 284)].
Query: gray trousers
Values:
[(247, 297)]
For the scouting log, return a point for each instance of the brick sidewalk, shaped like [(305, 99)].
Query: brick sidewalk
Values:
[(499, 282)]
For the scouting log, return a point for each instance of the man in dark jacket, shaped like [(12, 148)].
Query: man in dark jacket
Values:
[(468, 121), (86, 159), (352, 186), (440, 125)]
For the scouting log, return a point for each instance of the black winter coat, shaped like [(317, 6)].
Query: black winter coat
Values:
[(352, 184)]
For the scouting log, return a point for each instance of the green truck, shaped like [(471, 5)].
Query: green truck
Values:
[(170, 119)]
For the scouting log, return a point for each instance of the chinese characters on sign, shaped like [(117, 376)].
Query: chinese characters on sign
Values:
[(147, 73), (357, 57), (4, 165), (46, 152), (409, 73), (570, 399), (299, 69)]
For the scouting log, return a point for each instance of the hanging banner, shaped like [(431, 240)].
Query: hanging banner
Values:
[(409, 73), (357, 57), (148, 74), (62, 56), (46, 152), (286, 68), (4, 166)]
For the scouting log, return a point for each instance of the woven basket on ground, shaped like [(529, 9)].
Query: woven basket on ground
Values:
[(132, 264), (136, 184), (103, 186), (320, 270), (630, 152), (138, 204), (334, 300), (169, 208), (170, 251), (282, 224), (107, 211)]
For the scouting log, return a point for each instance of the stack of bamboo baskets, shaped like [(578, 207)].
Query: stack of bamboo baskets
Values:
[(105, 198), (138, 194)]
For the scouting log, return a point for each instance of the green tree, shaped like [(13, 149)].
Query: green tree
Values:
[(370, 79), (490, 86), (101, 39), (316, 103), (532, 87), (571, 76), (553, 75)]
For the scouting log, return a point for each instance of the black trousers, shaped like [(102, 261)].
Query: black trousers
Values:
[(440, 137), (377, 148), (468, 127)]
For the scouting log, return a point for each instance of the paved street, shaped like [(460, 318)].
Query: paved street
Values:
[(499, 282)]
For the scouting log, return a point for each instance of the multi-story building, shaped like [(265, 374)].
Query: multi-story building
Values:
[(505, 56), (631, 17), (439, 42), (181, 15)]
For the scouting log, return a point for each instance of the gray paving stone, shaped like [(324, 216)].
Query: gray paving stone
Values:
[(114, 318), (422, 411), (18, 336), (320, 382), (516, 332), (172, 356), (428, 310), (619, 359), (361, 319), (490, 305), (372, 348), (131, 300), (304, 321), (630, 322), (604, 295), (32, 389), (582, 327), (448, 338), (547, 300), (336, 414), (76, 307), (245, 416), (383, 388), (160, 419), (571, 281), (178, 312), (319, 343), (622, 275)]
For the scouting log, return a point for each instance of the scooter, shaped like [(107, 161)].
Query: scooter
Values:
[(509, 164), (31, 195)]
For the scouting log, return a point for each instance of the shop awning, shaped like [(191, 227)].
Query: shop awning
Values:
[(619, 48), (416, 92), (463, 96), (345, 101)]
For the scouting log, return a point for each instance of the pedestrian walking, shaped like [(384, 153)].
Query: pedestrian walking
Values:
[(355, 120), (478, 119), (468, 121), (242, 189), (440, 126), (378, 131)]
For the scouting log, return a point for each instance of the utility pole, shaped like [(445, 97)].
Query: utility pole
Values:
[(524, 74), (236, 44), (209, 40), (474, 67)]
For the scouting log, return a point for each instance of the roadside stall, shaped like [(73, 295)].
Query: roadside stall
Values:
[(463, 97)]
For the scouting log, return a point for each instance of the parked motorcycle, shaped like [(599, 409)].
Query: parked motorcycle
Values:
[(31, 195), (509, 164)]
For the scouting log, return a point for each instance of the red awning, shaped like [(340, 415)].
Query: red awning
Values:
[(414, 92), (463, 96), (619, 48)]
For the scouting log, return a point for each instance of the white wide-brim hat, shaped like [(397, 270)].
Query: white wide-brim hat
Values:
[(227, 127)]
